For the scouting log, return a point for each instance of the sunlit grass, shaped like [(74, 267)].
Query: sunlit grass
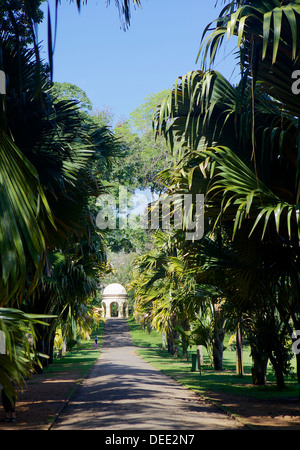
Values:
[(226, 380), (81, 358)]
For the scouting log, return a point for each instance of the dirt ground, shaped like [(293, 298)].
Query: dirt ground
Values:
[(41, 399), (275, 414)]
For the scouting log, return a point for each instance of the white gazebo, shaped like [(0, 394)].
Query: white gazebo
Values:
[(115, 294)]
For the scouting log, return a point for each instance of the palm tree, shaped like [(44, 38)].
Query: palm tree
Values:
[(65, 293), (26, 107), (157, 284), (204, 111), (58, 152), (269, 42), (50, 171), (45, 149), (23, 199), (269, 39), (17, 363)]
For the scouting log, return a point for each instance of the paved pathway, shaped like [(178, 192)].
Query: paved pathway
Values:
[(124, 392)]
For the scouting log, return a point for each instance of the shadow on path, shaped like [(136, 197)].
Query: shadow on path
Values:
[(124, 392)]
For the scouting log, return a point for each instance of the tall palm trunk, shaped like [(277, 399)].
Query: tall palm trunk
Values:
[(172, 342), (219, 334), (218, 348), (239, 351), (297, 327), (259, 368), (44, 334)]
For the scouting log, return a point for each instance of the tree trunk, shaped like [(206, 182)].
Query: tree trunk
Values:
[(199, 359), (172, 346), (218, 338), (40, 349), (280, 379), (239, 352), (185, 346), (200, 348), (278, 373), (44, 346), (164, 340), (170, 343), (218, 355), (185, 352), (176, 343), (64, 347), (259, 368), (298, 371), (51, 348), (218, 349), (297, 327)]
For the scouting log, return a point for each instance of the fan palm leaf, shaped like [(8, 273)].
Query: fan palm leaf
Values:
[(203, 116), (22, 239), (269, 42), (17, 363)]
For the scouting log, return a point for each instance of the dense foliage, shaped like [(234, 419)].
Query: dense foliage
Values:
[(52, 160), (238, 145)]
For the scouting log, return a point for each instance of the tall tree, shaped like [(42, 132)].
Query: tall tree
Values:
[(49, 171), (15, 19), (44, 150), (240, 144)]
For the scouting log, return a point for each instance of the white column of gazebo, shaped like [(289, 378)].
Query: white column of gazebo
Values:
[(115, 293)]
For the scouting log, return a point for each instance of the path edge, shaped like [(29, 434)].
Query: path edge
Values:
[(79, 383), (208, 400)]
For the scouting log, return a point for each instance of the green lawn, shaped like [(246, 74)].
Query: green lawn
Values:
[(150, 348), (82, 357)]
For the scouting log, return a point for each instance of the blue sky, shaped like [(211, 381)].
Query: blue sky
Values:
[(119, 69)]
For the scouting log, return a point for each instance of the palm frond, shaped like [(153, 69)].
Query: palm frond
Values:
[(249, 197), (22, 202), (18, 362)]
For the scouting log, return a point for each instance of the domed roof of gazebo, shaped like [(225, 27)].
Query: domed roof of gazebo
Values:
[(115, 289)]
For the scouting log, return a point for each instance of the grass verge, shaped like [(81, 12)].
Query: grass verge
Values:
[(81, 358), (150, 348)]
